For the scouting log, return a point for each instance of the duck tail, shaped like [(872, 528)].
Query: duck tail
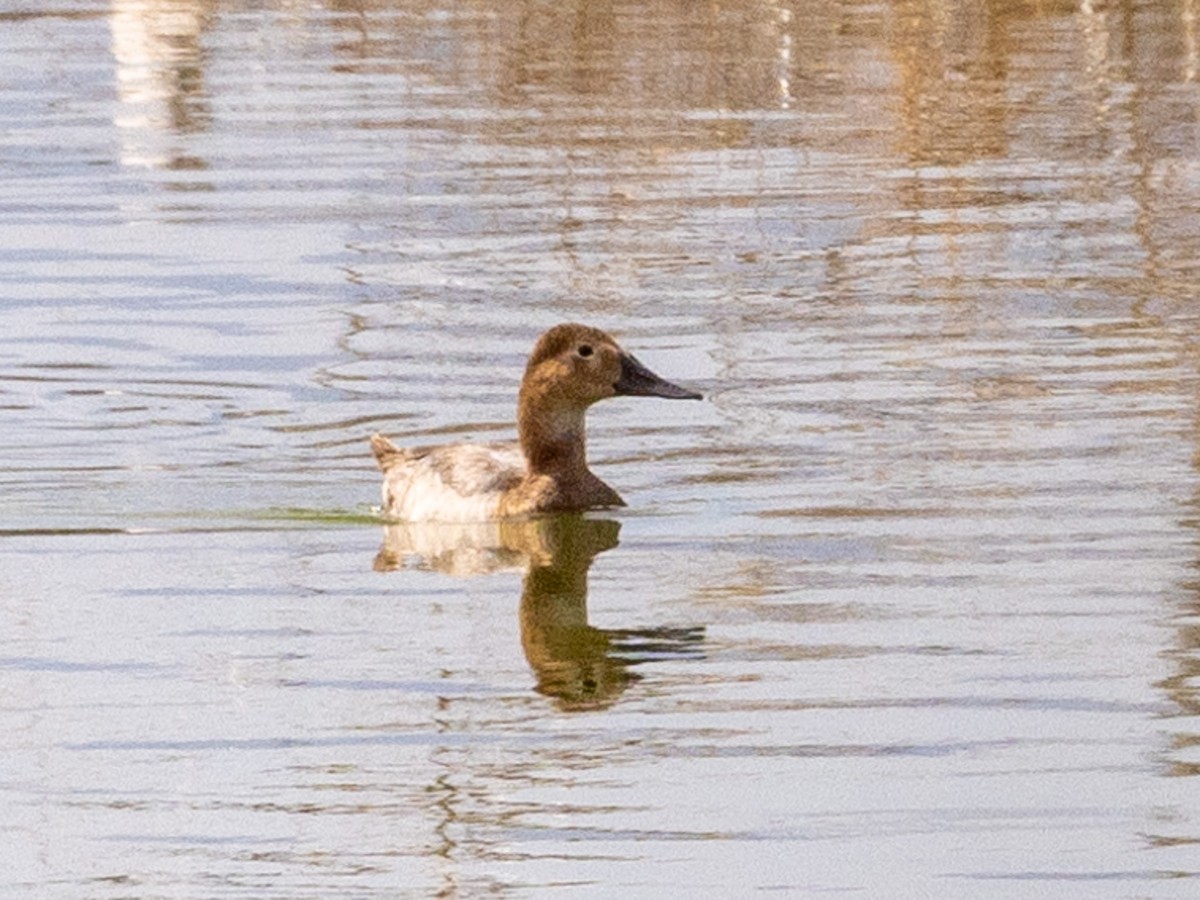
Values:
[(386, 453)]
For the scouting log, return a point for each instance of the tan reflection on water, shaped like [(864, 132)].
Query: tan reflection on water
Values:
[(580, 666), (1182, 685), (160, 61)]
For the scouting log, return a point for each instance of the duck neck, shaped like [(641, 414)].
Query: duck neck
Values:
[(553, 440)]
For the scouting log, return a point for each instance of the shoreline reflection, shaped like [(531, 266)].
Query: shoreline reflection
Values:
[(160, 72), (574, 663)]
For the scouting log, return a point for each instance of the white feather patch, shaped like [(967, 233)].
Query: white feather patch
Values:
[(451, 483)]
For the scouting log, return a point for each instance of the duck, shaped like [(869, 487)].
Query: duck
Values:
[(545, 470)]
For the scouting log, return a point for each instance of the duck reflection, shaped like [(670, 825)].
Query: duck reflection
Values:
[(581, 667)]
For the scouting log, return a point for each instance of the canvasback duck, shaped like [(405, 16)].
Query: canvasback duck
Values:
[(545, 470)]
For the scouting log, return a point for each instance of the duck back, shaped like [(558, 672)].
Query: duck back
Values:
[(448, 482)]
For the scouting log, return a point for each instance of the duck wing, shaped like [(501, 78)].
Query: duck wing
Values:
[(451, 482)]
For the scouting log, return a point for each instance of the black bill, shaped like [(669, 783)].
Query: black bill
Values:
[(638, 381)]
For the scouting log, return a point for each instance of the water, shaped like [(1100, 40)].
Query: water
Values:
[(906, 608)]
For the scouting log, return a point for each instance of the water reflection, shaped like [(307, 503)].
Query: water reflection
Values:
[(579, 665), (536, 53), (943, 259), (160, 61), (1181, 684)]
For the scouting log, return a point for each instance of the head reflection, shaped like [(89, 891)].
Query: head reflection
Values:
[(581, 667)]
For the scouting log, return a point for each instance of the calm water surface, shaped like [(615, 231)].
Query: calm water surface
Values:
[(907, 608)]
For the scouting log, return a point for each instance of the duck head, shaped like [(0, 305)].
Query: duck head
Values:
[(573, 366), (581, 364)]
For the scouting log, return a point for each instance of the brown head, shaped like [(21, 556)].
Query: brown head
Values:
[(571, 367), (585, 364)]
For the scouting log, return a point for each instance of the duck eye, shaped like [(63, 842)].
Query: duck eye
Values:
[(585, 350)]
